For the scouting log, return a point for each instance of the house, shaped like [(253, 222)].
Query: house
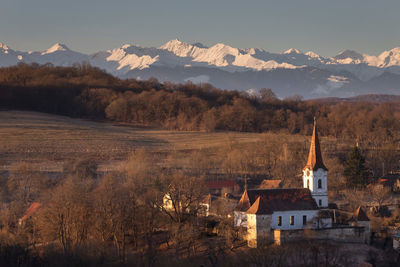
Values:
[(29, 212), (270, 184), (286, 209), (391, 180), (218, 187), (220, 206), (282, 214)]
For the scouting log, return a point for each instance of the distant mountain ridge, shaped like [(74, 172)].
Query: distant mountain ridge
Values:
[(370, 98), (292, 72)]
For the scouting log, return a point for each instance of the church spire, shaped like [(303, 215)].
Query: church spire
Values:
[(314, 161)]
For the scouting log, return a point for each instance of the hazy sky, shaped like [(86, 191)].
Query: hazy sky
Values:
[(323, 26)]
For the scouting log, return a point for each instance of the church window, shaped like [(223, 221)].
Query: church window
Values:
[(291, 220), (319, 183), (279, 220), (320, 202), (308, 184), (304, 219)]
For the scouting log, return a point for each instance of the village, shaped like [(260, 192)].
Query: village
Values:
[(261, 213)]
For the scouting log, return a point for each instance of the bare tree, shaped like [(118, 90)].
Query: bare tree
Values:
[(24, 183), (378, 195), (183, 195), (115, 211), (66, 215), (355, 198)]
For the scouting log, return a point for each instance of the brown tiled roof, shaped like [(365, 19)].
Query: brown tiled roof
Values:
[(244, 202), (30, 211), (255, 208), (389, 179), (219, 184), (314, 161), (267, 201), (361, 216), (270, 184)]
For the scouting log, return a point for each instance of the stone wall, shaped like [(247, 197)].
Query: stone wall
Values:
[(259, 230), (350, 234)]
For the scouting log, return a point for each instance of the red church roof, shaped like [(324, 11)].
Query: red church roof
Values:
[(267, 201)]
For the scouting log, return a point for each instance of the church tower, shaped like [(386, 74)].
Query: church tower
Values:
[(315, 174)]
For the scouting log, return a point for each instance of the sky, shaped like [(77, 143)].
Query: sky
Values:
[(323, 26)]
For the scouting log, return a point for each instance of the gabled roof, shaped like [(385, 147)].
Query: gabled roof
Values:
[(270, 184), (255, 208), (361, 216), (389, 179), (314, 161), (219, 184), (30, 211), (244, 202), (267, 201)]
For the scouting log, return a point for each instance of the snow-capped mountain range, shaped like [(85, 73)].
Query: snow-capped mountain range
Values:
[(291, 72)]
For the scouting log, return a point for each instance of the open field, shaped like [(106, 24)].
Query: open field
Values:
[(49, 140)]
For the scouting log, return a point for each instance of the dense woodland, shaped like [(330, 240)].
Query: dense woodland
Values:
[(88, 92), (119, 219)]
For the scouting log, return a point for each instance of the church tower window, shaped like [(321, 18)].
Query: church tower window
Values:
[(319, 183), (308, 184), (320, 202)]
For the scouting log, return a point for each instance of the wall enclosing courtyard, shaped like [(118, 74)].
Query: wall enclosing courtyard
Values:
[(348, 234)]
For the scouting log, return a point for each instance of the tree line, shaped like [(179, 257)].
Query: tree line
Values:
[(88, 92)]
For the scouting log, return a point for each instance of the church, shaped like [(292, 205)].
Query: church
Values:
[(269, 214)]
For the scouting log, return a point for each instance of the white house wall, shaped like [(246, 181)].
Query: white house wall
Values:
[(298, 219), (240, 218)]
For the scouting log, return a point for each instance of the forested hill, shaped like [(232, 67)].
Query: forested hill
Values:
[(88, 92)]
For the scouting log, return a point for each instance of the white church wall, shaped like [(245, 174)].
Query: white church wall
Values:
[(320, 174), (310, 180), (298, 219)]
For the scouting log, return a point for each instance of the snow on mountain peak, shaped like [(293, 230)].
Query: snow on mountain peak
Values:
[(55, 48), (173, 44), (349, 54), (131, 59), (292, 51), (180, 49), (389, 58), (223, 50), (312, 54), (125, 46)]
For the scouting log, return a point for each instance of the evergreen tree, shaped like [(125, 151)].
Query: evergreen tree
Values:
[(355, 172)]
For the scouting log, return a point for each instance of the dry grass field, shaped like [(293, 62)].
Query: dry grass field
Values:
[(49, 140)]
